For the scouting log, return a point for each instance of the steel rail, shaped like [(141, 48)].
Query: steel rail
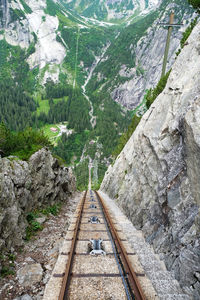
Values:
[(132, 277), (66, 278)]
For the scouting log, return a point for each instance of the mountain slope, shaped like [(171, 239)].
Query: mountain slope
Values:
[(136, 54), (111, 11), (54, 31), (74, 66)]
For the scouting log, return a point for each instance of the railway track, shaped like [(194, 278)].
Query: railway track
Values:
[(98, 265)]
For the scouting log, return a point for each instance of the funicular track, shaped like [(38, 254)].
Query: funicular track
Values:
[(98, 263)]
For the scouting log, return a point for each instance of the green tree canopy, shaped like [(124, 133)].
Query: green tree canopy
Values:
[(195, 4), (22, 144)]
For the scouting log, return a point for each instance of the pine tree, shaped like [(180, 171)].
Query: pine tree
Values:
[(195, 4)]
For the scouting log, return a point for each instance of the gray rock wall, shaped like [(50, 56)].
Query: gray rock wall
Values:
[(25, 186), (156, 178)]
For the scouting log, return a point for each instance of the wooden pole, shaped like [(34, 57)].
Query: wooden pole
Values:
[(171, 20)]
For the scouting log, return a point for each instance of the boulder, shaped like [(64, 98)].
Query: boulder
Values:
[(25, 186), (30, 274), (24, 297)]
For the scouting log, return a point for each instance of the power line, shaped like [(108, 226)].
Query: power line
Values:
[(170, 27)]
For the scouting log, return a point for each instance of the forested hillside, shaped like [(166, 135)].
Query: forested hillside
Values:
[(65, 69)]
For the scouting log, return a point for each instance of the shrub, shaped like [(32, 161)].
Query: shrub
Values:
[(7, 270), (195, 4), (152, 94), (187, 32), (186, 35), (32, 228), (22, 144), (33, 225), (54, 209), (7, 262)]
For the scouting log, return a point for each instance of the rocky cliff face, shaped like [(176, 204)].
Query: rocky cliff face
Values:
[(25, 186), (156, 178), (149, 53), (28, 23)]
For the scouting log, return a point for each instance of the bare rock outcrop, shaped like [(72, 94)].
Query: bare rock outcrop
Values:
[(156, 178), (25, 186)]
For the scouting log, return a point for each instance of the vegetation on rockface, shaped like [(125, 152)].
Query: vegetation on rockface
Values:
[(16, 14), (33, 225), (152, 94), (7, 262), (51, 8), (23, 143), (32, 228), (186, 35), (56, 9), (99, 9), (89, 9)]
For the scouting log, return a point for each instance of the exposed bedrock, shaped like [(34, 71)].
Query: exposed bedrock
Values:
[(156, 178), (28, 185)]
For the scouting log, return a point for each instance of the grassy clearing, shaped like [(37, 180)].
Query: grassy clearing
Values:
[(43, 107), (52, 136), (44, 104)]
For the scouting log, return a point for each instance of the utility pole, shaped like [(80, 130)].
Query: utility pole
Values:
[(170, 27)]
